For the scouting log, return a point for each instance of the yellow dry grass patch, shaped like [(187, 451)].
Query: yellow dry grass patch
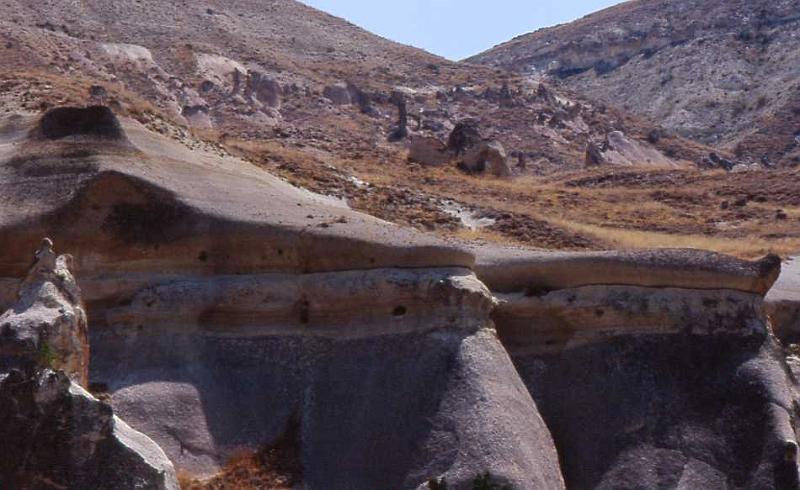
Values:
[(627, 239)]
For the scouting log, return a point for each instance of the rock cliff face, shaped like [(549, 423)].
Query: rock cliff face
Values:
[(783, 303), (230, 310), (723, 72), (668, 378), (226, 305), (53, 433)]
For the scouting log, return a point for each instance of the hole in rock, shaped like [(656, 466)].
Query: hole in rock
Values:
[(96, 121), (98, 387), (203, 256), (399, 311)]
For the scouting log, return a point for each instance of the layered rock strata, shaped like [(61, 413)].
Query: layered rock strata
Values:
[(227, 306), (652, 369)]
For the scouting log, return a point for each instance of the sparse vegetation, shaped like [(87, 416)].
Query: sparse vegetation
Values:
[(46, 355), (276, 467)]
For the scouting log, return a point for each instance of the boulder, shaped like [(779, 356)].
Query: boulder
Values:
[(197, 116), (428, 150), (55, 433), (489, 157), (263, 89), (594, 154), (338, 94), (349, 94), (463, 137)]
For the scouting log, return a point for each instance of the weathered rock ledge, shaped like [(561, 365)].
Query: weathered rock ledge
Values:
[(228, 307), (509, 270), (652, 369)]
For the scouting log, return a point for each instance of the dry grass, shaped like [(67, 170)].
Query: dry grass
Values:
[(599, 208), (277, 467), (628, 239)]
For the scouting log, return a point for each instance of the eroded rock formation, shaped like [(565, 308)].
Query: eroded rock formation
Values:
[(783, 303), (53, 433), (653, 369), (229, 309), (226, 304)]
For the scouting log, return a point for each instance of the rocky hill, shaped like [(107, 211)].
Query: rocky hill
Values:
[(279, 70), (315, 100), (719, 71)]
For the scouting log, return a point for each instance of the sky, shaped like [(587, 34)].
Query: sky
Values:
[(457, 29)]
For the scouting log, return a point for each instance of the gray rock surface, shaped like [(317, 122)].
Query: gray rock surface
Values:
[(663, 379), (506, 269), (54, 434), (392, 375), (783, 303), (679, 411)]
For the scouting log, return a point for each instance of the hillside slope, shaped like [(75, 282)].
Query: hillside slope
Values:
[(313, 99), (722, 72), (282, 70)]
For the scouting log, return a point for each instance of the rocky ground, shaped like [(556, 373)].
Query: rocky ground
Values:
[(727, 77)]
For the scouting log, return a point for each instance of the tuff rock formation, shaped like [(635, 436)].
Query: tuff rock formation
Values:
[(53, 433), (783, 303), (652, 369), (231, 310), (227, 305)]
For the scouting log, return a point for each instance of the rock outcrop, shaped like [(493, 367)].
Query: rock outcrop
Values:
[(783, 303), (226, 304), (652, 369), (489, 157), (618, 149), (428, 150), (53, 433), (47, 324)]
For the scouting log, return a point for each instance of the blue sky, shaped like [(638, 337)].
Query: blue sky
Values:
[(457, 29)]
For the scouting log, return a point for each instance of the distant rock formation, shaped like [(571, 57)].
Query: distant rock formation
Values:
[(489, 157), (53, 432), (400, 130), (428, 150), (680, 63), (618, 149)]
